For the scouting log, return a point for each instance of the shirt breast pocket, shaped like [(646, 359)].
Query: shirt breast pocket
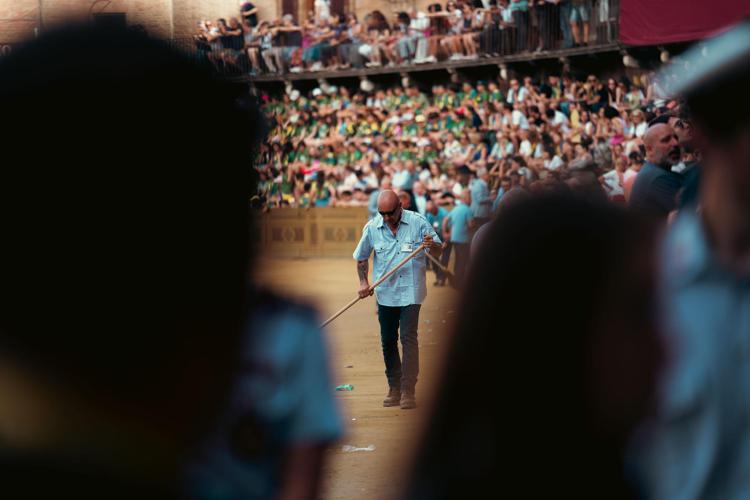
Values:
[(381, 256)]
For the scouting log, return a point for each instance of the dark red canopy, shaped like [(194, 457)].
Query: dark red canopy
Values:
[(653, 22)]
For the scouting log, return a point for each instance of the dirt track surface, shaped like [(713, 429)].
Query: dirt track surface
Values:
[(354, 340)]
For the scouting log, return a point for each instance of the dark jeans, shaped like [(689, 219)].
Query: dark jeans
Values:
[(545, 15), (439, 274), (445, 258), (521, 20), (567, 35), (400, 375), (462, 259)]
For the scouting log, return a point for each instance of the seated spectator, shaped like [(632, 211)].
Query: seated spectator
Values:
[(541, 128)]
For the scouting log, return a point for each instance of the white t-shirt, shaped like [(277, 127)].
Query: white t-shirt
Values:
[(519, 96), (640, 129), (612, 183), (525, 148), (519, 119), (451, 149), (420, 23), (553, 164), (561, 120), (322, 9), (628, 174)]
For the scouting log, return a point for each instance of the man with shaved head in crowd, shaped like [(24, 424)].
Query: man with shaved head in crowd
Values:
[(392, 235), (656, 186)]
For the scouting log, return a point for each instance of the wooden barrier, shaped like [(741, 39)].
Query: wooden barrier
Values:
[(317, 232)]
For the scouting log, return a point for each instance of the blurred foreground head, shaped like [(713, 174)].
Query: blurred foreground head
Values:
[(124, 213), (713, 81), (553, 358)]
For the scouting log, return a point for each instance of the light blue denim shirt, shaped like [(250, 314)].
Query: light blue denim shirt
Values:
[(698, 447), (285, 388), (458, 222), (408, 285), (481, 204)]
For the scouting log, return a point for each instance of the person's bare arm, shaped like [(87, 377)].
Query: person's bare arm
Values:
[(446, 230), (435, 249), (363, 270)]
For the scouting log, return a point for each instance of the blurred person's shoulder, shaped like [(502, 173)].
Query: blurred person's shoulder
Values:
[(267, 302), (278, 326)]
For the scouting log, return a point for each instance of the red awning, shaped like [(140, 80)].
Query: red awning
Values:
[(654, 22)]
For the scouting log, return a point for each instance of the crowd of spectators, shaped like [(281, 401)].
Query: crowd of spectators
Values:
[(336, 147), (452, 31)]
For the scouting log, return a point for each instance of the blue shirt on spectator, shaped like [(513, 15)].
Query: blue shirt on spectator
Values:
[(496, 203), (458, 221), (284, 388), (408, 285), (480, 199), (436, 221), (698, 446), (522, 5), (403, 179), (372, 204)]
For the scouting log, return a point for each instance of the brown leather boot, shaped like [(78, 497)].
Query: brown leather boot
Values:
[(393, 398), (408, 401)]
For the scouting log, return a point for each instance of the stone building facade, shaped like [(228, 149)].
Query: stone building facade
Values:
[(24, 19)]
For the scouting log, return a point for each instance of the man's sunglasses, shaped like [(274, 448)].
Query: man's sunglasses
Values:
[(681, 124), (388, 214)]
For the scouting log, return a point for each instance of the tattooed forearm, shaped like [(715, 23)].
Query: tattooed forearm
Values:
[(363, 268)]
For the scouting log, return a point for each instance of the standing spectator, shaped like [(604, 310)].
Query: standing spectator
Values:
[(458, 225), (490, 39), (266, 46), (233, 41), (202, 45), (439, 28), (290, 41), (420, 198), (253, 41), (322, 10), (579, 13), (435, 215), (520, 10), (249, 13), (481, 203), (656, 186), (452, 41), (546, 10), (565, 13)]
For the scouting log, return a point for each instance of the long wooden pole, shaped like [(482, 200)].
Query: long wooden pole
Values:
[(437, 263), (372, 287)]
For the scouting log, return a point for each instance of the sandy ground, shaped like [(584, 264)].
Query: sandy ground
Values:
[(354, 340)]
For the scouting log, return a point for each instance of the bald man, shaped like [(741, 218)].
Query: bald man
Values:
[(656, 186), (392, 235)]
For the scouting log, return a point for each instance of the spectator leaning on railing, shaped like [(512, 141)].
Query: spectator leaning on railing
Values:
[(327, 40)]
